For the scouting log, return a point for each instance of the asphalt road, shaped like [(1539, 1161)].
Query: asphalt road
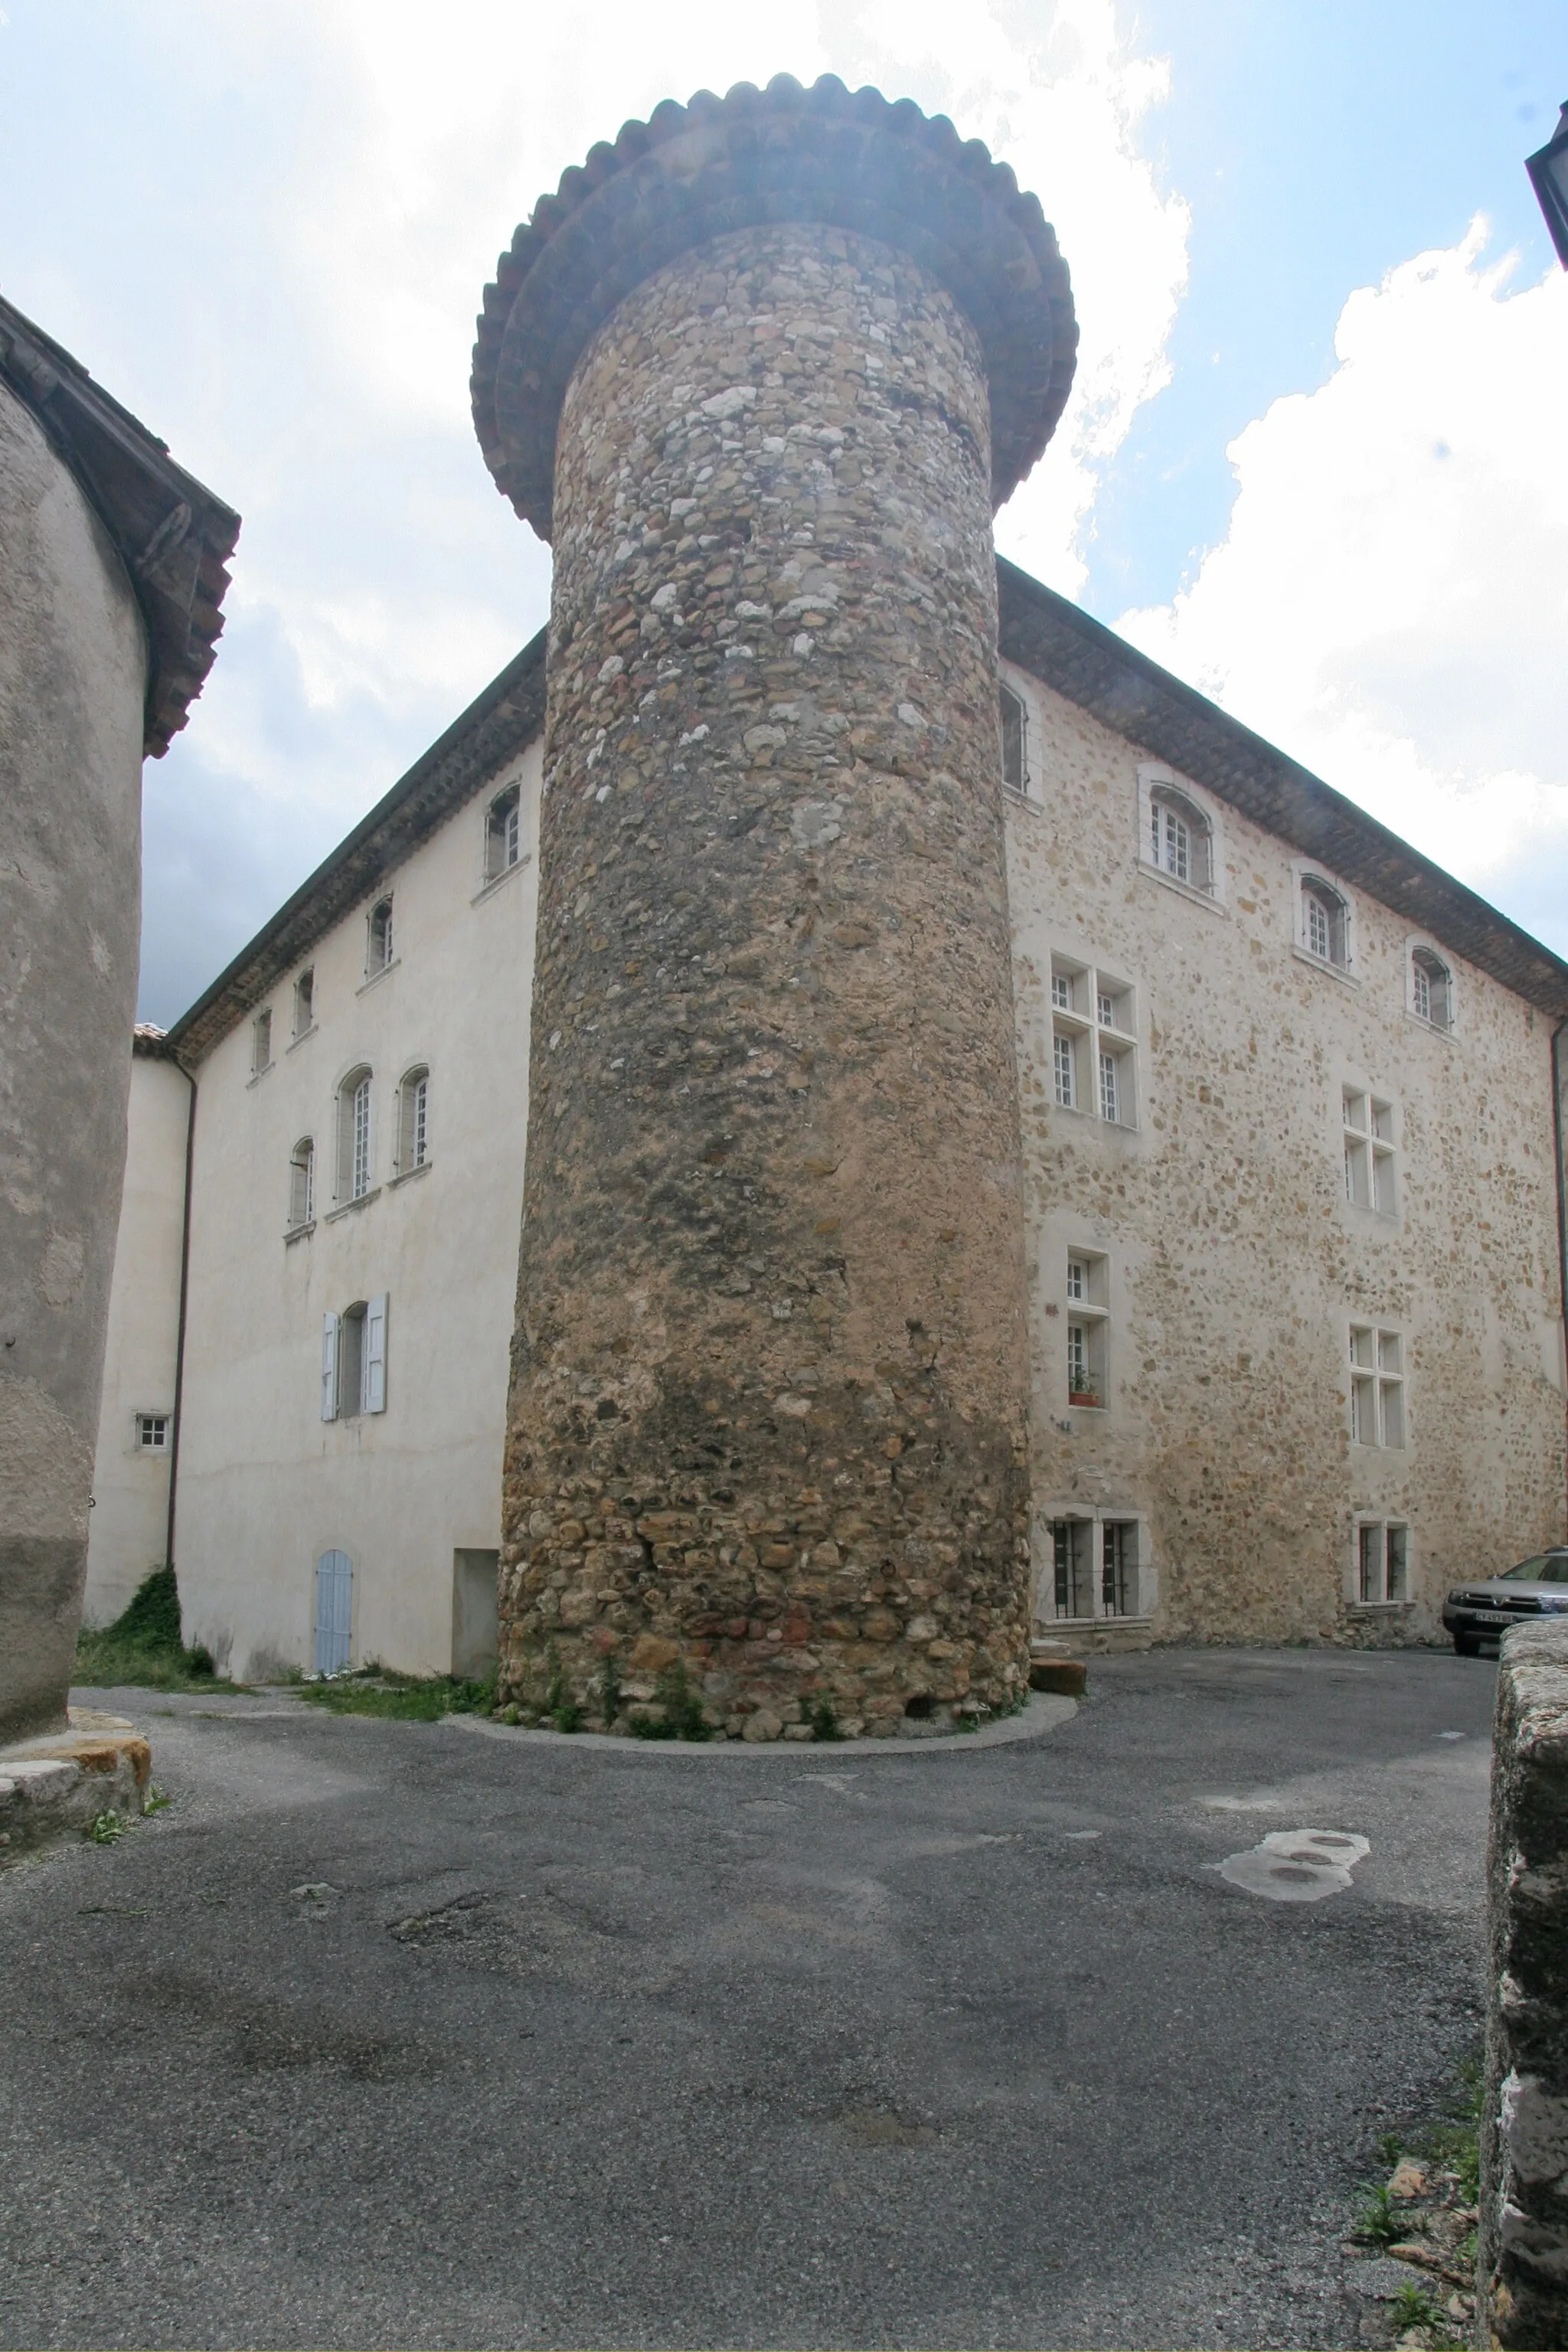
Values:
[(621, 2048)]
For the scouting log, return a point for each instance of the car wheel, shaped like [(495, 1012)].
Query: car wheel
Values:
[(1468, 1645)]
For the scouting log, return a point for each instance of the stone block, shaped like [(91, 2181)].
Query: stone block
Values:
[(1066, 1676), (1523, 2247)]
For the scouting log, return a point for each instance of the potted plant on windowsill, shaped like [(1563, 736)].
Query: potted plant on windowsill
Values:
[(1082, 1395)]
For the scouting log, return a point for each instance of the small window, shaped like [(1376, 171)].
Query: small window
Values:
[(152, 1431), (1325, 923), (503, 833), (1087, 1324), (1382, 1555), (414, 1120), (1371, 1176), (355, 1163), (1377, 1387), (353, 1361), (1015, 741), (1062, 992), (304, 1004), (378, 938), (1180, 842), (1094, 1569), (301, 1183), (261, 1044), (1064, 1061), (1431, 989)]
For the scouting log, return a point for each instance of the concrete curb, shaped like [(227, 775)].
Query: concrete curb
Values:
[(1042, 1716), (59, 1785)]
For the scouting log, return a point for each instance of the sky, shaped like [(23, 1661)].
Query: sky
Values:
[(1316, 459)]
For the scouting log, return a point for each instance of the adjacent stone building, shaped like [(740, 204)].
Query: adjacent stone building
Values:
[(111, 576), (1001, 1152)]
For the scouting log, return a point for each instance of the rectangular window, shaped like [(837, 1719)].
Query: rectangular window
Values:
[(261, 1044), (1088, 1327), (1109, 1097), (359, 1173), (1118, 1563), (1094, 1569), (152, 1432), (1382, 1562), (1377, 1387), (378, 938), (1072, 1556), (1065, 1064), (304, 1004), (1371, 1178), (1015, 741), (1062, 992)]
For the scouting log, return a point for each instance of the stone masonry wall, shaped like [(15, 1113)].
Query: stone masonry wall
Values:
[(1523, 2232), (769, 1389), (1234, 1260)]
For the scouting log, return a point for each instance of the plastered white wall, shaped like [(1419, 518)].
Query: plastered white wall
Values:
[(266, 1485), (128, 1523)]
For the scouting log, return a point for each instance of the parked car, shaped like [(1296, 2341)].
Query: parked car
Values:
[(1484, 1611)]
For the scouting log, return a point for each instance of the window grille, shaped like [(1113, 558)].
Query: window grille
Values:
[(1115, 1563), (1066, 1068)]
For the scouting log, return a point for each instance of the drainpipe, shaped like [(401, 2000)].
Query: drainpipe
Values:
[(1562, 1186), (184, 1285)]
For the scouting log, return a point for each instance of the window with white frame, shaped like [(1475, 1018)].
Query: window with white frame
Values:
[(414, 1120), (1180, 840), (1377, 1386), (304, 1004), (503, 832), (354, 1137), (1014, 741), (1371, 1160), (1088, 1327), (1093, 1050), (353, 1361), (152, 1431), (1383, 1562), (261, 1044), (1324, 922), (378, 938), (302, 1182), (1093, 1569), (1431, 989)]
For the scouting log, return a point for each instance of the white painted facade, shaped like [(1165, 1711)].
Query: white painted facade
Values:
[(1200, 1448)]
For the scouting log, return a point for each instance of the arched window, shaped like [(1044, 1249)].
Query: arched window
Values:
[(378, 938), (354, 1135), (1181, 843), (302, 1182), (413, 1120), (1015, 741), (1431, 989), (1325, 922), (503, 832)]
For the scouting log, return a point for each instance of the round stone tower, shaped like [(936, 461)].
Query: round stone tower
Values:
[(761, 370)]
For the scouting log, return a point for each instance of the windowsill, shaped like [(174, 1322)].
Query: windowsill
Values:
[(408, 1174), (1077, 1404), (1376, 1608), (299, 1232), (1087, 1624), (499, 881), (1022, 797), (1188, 890), (1320, 964), (375, 978), (1431, 1028), (256, 1076), (300, 1039), (349, 1207), (1093, 1118)]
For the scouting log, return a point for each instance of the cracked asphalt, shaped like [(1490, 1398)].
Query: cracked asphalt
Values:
[(627, 2047)]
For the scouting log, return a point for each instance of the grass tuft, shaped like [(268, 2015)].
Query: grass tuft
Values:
[(143, 1645), (399, 1698)]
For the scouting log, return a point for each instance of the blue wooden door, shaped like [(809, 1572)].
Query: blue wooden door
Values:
[(334, 1598)]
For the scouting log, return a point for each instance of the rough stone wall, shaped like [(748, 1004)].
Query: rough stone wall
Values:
[(769, 1387), (1523, 2249), (1236, 1262), (72, 680)]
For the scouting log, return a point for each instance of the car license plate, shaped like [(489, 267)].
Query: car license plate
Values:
[(1492, 1617)]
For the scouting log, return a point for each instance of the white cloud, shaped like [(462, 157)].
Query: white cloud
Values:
[(1390, 603)]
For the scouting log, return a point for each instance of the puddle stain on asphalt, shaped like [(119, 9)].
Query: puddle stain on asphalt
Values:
[(1297, 1866)]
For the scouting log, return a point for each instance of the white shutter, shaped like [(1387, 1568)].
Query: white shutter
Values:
[(328, 1367), (372, 1378)]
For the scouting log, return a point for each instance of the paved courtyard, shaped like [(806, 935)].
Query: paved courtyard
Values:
[(579, 2046)]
